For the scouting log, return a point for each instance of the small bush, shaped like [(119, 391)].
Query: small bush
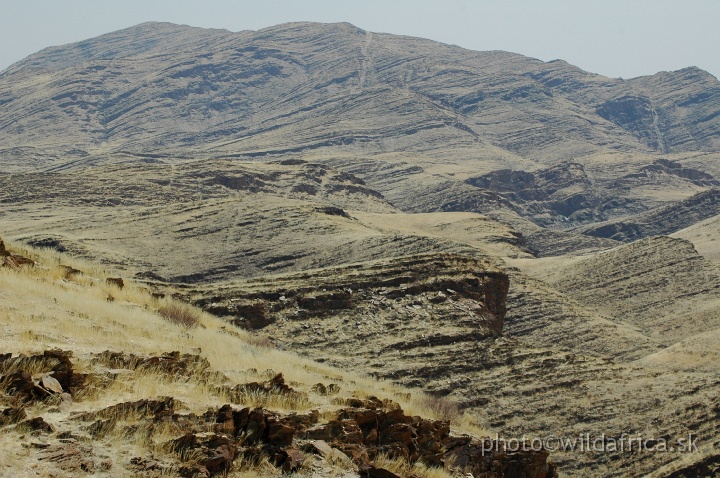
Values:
[(442, 407), (259, 341), (183, 315)]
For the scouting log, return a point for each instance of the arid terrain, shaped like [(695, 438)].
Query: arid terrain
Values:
[(420, 238)]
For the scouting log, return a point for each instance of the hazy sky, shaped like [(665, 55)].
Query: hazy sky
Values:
[(620, 38)]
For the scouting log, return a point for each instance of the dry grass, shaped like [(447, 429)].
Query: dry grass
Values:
[(442, 407), (38, 310), (43, 308), (403, 468), (180, 314)]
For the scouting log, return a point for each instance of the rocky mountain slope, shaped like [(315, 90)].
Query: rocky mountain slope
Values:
[(215, 220), (305, 85), (660, 285), (94, 401), (440, 322), (414, 118), (664, 220)]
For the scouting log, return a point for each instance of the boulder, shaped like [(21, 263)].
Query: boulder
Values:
[(8, 259), (69, 457), (212, 453), (57, 377)]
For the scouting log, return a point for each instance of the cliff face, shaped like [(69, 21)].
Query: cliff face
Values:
[(660, 221), (396, 309)]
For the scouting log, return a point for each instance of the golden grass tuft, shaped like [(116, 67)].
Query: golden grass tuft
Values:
[(401, 467), (180, 314), (443, 408)]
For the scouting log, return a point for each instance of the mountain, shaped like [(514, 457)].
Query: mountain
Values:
[(306, 86), (524, 241), (431, 116)]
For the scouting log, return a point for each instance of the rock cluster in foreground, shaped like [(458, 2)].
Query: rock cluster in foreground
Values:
[(229, 436)]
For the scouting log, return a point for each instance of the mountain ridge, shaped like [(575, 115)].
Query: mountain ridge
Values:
[(363, 64)]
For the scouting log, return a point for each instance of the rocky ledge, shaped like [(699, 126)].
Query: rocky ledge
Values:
[(349, 439)]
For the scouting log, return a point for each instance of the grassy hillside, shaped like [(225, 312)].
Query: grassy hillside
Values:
[(137, 371)]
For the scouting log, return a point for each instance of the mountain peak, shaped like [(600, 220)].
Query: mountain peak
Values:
[(160, 85)]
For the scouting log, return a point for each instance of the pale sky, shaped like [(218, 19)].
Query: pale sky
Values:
[(617, 38)]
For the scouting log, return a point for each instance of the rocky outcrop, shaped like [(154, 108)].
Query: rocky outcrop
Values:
[(660, 221), (358, 435), (434, 279), (650, 283), (13, 261), (176, 364), (71, 457), (401, 310), (37, 377), (560, 193), (274, 386)]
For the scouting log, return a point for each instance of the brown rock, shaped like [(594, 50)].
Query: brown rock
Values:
[(254, 430), (69, 457), (10, 416), (194, 471), (220, 458), (294, 459), (358, 454), (275, 385), (37, 425), (372, 403), (280, 433), (171, 363), (350, 433), (325, 432), (373, 472), (302, 422), (224, 423), (40, 386), (212, 453), (144, 408), (144, 465)]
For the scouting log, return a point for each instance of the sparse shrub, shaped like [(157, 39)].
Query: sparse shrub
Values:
[(180, 314), (442, 407), (260, 341), (401, 467)]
